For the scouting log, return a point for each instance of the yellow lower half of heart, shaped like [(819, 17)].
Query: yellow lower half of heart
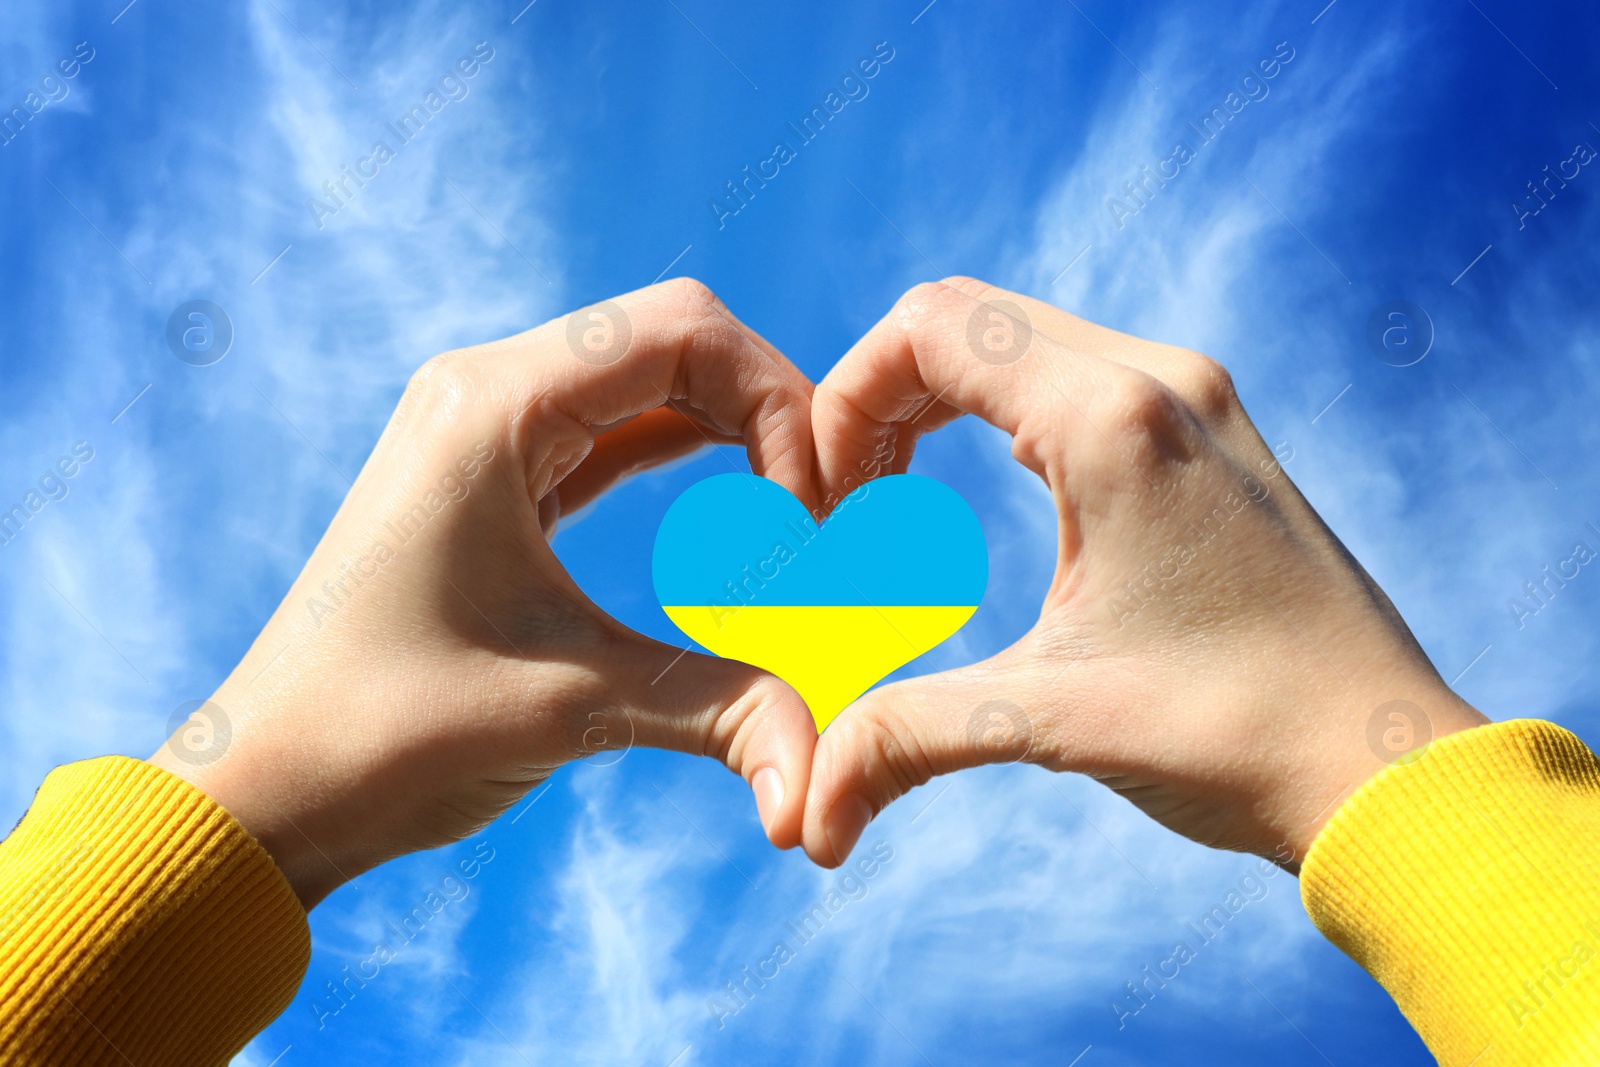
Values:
[(831, 655)]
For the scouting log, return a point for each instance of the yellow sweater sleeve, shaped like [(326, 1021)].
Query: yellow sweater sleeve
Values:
[(1467, 883), (139, 923)]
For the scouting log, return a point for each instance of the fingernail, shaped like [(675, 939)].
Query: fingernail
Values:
[(846, 821), (768, 788)]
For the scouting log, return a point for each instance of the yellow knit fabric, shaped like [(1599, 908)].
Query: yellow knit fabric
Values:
[(1468, 884), (139, 923)]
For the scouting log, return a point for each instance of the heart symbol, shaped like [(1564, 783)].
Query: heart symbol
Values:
[(742, 569)]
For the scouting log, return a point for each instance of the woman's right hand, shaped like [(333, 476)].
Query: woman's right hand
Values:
[(1208, 648)]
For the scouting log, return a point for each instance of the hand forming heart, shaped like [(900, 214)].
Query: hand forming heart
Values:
[(1207, 647)]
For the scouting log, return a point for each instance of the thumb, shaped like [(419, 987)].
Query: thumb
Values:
[(751, 721), (898, 737)]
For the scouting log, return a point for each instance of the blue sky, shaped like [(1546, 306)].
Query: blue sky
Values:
[(1383, 161)]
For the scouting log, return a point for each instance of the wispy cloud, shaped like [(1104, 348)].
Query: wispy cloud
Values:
[(1017, 903), (325, 340), (611, 988), (1241, 257)]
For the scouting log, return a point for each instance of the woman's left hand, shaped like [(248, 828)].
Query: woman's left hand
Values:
[(434, 661)]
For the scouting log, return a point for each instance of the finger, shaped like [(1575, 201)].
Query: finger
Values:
[(1204, 384), (748, 719), (939, 353), (900, 736), (1161, 360), (655, 437), (671, 344)]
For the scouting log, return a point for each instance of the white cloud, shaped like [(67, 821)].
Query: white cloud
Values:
[(1441, 508), (652, 923), (328, 336), (626, 903)]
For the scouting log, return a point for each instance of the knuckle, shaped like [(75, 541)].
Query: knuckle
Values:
[(975, 288), (933, 316), (442, 390), (424, 376), (923, 302), (693, 312), (1207, 385), (723, 735), (964, 316), (1147, 419), (692, 295), (443, 376), (898, 760), (1036, 442)]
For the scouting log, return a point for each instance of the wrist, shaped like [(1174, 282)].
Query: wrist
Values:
[(249, 783), (1371, 732)]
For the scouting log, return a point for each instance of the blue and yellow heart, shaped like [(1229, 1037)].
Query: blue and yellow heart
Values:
[(742, 569)]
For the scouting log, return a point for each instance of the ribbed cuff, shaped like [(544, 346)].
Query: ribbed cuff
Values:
[(1468, 884), (139, 923)]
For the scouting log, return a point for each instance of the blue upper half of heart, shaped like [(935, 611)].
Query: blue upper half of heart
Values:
[(903, 540)]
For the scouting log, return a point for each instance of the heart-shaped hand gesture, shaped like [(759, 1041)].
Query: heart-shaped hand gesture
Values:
[(1207, 647), (434, 661)]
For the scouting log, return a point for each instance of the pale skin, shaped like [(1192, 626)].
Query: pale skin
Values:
[(1233, 705), (470, 666), (465, 666)]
